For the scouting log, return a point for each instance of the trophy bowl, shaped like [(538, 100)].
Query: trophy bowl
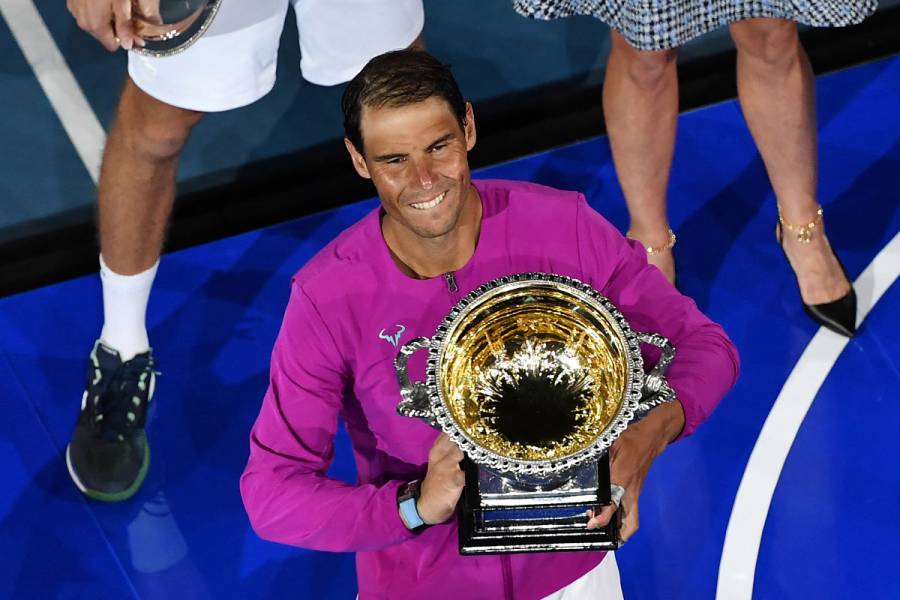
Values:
[(170, 26), (534, 376)]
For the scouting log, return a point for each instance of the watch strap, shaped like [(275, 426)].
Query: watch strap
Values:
[(406, 502)]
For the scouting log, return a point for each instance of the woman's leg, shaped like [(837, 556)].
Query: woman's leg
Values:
[(640, 103), (777, 95)]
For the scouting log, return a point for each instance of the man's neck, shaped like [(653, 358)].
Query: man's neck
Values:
[(427, 258)]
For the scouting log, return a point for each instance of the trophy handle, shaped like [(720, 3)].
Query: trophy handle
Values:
[(656, 390), (414, 395)]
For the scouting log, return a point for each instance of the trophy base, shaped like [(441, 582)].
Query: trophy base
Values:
[(537, 520)]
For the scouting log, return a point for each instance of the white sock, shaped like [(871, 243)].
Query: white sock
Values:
[(125, 310)]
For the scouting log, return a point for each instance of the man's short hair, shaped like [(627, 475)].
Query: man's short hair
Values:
[(395, 79)]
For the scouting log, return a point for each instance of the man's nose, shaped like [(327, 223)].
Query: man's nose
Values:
[(423, 174)]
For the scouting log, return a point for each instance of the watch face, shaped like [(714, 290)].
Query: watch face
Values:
[(407, 490)]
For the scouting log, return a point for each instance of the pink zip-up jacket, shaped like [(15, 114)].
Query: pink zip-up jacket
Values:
[(350, 310)]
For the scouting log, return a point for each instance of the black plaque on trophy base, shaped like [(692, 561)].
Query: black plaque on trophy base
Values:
[(501, 515)]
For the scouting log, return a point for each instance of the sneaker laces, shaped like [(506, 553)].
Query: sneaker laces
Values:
[(118, 402)]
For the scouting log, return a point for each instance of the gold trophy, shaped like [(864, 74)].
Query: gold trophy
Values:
[(534, 376), (170, 26)]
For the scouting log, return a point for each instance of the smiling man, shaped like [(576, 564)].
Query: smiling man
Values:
[(393, 276)]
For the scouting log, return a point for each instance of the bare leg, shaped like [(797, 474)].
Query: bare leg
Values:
[(137, 179), (640, 102), (777, 95), (137, 189)]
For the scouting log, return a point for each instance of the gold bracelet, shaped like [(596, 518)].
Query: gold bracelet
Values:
[(651, 250), (804, 232)]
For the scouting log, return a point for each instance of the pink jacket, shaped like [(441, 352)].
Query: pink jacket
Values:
[(350, 310)]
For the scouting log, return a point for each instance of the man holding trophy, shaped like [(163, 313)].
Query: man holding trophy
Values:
[(532, 307)]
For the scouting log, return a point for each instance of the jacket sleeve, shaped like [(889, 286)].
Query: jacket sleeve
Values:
[(706, 363), (285, 490)]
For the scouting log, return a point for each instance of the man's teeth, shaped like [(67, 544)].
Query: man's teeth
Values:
[(430, 203)]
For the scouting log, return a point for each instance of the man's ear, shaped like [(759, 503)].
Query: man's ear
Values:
[(469, 128), (359, 163)]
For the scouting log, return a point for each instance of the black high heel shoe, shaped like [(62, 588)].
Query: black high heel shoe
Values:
[(838, 315)]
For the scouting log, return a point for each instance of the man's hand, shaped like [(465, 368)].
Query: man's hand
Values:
[(443, 483), (148, 23), (107, 20), (630, 460)]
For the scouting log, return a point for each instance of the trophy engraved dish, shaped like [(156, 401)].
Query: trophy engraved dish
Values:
[(170, 26), (534, 376)]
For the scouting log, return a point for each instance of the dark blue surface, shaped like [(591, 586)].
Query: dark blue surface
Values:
[(215, 311), (51, 542), (40, 172), (835, 527)]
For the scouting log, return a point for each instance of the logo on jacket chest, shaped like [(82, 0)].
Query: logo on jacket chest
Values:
[(394, 337)]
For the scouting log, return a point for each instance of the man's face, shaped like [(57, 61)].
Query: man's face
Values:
[(416, 155)]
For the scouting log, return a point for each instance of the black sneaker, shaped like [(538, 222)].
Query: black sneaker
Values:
[(108, 456)]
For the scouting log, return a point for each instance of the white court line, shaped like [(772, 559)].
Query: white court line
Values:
[(751, 506), (57, 81)]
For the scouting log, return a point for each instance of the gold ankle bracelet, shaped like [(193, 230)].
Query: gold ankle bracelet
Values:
[(803, 232), (651, 250)]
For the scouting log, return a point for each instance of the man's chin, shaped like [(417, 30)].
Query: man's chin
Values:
[(432, 233), (432, 226)]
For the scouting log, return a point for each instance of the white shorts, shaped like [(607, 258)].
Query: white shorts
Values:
[(233, 63), (600, 583)]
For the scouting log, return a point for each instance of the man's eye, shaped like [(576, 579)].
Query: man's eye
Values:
[(438, 147), (395, 161)]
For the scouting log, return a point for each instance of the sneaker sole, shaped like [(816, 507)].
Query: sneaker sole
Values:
[(106, 496)]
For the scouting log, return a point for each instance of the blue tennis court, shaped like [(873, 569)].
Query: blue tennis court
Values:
[(828, 529)]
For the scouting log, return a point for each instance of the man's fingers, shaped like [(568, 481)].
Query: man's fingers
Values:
[(600, 519), (441, 447), (123, 26), (100, 26), (456, 454), (630, 521), (614, 450), (444, 441), (149, 11), (450, 461), (629, 526), (107, 37), (96, 18), (445, 448)]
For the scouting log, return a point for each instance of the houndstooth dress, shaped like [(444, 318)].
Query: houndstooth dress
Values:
[(662, 24)]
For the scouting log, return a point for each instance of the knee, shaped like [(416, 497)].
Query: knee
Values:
[(165, 140), (768, 43), (647, 70), (152, 129)]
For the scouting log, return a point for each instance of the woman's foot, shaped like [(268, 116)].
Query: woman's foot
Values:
[(825, 291), (659, 246), (819, 274)]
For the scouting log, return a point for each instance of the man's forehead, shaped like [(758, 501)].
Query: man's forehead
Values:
[(431, 112)]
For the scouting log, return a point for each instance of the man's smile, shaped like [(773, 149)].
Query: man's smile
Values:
[(430, 203)]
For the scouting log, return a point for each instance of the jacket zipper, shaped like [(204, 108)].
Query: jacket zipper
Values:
[(507, 578), (450, 278)]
